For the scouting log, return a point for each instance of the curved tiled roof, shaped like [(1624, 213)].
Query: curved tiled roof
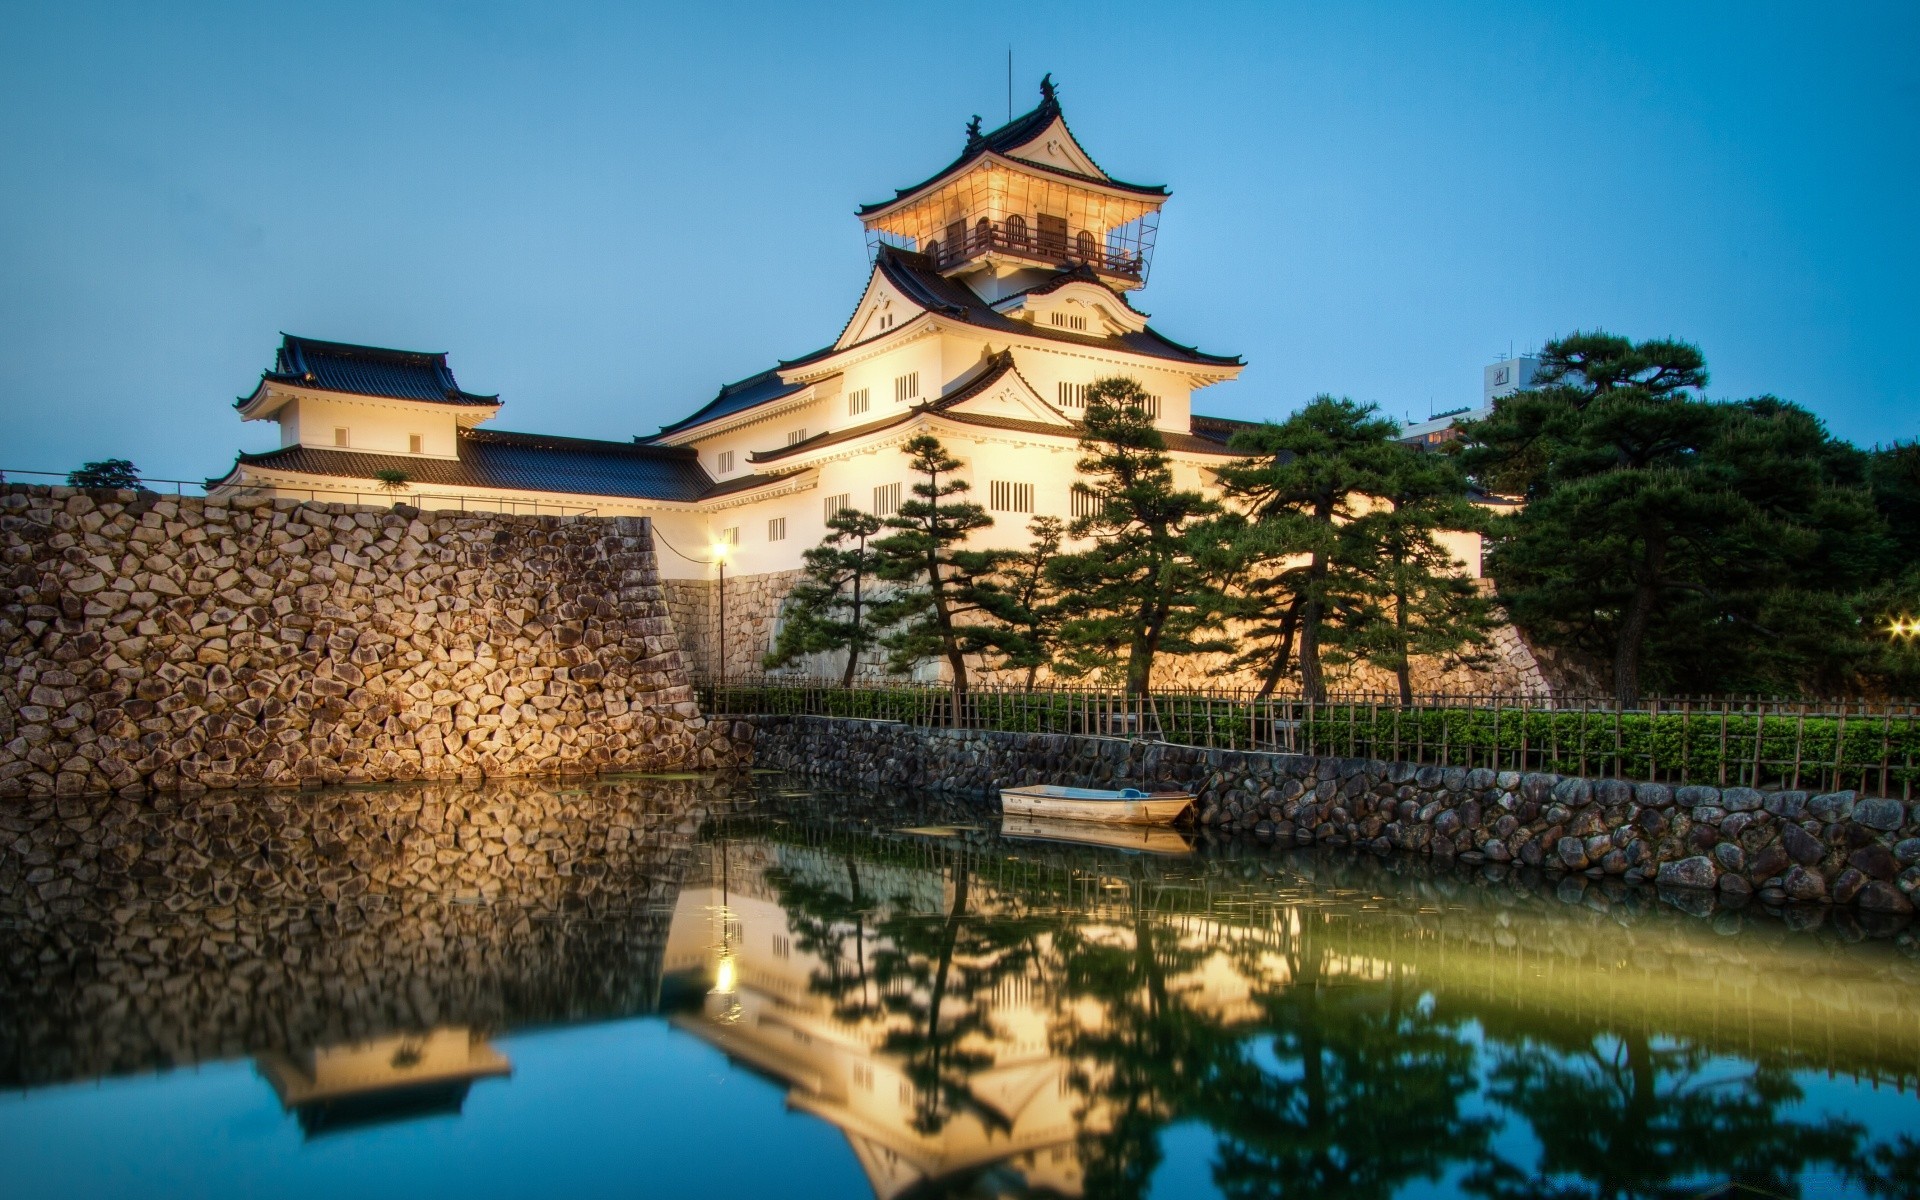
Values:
[(737, 397), (367, 371), (490, 458), (916, 277), (1016, 133)]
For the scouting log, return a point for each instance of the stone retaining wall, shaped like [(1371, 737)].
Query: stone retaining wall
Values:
[(167, 930), (1787, 846), (149, 642)]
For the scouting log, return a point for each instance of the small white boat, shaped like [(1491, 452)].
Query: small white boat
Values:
[(1129, 806), (1137, 839)]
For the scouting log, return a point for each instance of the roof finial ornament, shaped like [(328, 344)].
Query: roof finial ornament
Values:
[(973, 130), (1046, 88)]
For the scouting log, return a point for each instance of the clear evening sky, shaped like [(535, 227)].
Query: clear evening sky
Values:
[(604, 211)]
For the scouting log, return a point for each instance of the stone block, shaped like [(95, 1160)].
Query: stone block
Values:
[(1695, 872)]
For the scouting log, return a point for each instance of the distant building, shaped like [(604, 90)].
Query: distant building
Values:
[(1501, 378)]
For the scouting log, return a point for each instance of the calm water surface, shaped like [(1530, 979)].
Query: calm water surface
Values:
[(792, 994)]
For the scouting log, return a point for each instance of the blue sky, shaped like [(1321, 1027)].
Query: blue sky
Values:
[(603, 212)]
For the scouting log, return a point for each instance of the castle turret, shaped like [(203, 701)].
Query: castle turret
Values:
[(1021, 202)]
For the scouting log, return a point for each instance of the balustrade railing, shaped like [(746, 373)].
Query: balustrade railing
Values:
[(1813, 745), (1049, 246)]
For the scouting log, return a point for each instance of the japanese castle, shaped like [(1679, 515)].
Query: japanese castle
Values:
[(1001, 287)]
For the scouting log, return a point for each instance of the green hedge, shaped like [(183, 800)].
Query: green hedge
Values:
[(1679, 747)]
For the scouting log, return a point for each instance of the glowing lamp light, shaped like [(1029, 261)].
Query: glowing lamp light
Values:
[(1904, 627), (721, 550), (726, 976)]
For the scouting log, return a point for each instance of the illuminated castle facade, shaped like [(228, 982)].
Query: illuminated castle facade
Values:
[(1001, 287)]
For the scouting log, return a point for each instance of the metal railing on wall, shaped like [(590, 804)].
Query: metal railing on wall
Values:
[(372, 497), (1813, 745)]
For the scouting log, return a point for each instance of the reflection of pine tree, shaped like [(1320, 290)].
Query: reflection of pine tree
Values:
[(1139, 1055), (1623, 1115), (930, 979), (823, 922), (937, 979), (1365, 1101), (1892, 1169)]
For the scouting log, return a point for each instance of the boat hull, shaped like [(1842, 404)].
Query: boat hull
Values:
[(1136, 839), (1085, 804)]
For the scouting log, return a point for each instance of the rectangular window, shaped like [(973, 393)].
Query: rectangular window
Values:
[(723, 462), (886, 500), (906, 387), (777, 529), (835, 505), (1068, 321), (731, 535), (796, 436), (857, 402), (1073, 395), (340, 436), (1081, 501), (1004, 496), (416, 444), (1151, 405)]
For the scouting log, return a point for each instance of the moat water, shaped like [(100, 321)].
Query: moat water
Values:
[(800, 994)]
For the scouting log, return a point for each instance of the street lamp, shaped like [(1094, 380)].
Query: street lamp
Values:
[(1904, 627), (720, 551)]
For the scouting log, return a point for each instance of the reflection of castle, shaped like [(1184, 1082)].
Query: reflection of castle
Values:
[(397, 1078), (802, 996), (732, 939)]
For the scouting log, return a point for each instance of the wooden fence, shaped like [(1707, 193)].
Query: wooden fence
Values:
[(1815, 745)]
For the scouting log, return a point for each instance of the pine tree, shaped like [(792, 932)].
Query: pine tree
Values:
[(1424, 604), (1299, 486), (828, 609), (1023, 603), (936, 578), (1139, 591), (107, 473), (1702, 545)]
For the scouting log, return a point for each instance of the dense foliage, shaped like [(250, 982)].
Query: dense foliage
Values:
[(1690, 545), (107, 473)]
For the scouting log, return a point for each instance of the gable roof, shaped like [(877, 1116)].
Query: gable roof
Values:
[(1023, 130), (916, 277), (998, 367), (367, 371), (736, 397), (498, 459)]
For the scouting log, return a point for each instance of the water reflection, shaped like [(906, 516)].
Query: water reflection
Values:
[(396, 1078), (980, 1017), (971, 1010)]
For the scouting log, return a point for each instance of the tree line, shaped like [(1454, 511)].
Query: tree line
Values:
[(1324, 547), (1666, 540)]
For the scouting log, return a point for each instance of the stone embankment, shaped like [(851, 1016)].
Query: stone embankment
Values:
[(168, 930), (1787, 846), (154, 643)]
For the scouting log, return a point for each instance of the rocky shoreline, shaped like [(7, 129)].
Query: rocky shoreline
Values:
[(1779, 847)]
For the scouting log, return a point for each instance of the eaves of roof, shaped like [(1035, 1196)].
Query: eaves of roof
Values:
[(916, 278), (349, 369), (1020, 131), (500, 460)]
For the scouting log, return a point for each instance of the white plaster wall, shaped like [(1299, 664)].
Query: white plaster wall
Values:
[(373, 427)]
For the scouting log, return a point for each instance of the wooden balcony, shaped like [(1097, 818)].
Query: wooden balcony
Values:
[(1050, 247)]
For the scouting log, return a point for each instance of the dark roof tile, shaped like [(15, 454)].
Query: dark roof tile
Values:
[(737, 397), (522, 461), (1016, 133), (916, 277), (368, 371)]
